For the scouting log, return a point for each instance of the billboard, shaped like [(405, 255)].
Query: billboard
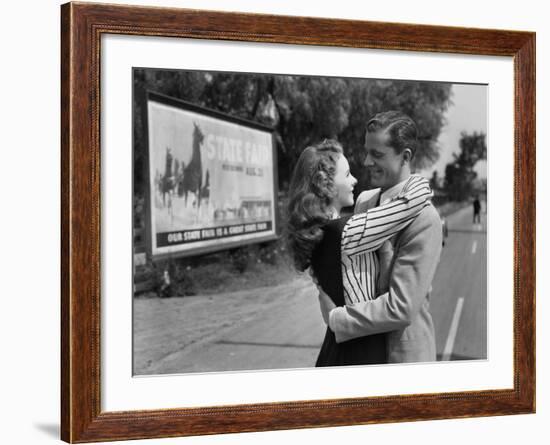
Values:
[(212, 179)]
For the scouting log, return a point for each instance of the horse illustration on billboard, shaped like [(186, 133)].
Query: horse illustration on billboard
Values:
[(168, 179), (192, 173), (181, 179)]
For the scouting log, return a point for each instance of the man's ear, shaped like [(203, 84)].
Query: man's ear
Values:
[(407, 155)]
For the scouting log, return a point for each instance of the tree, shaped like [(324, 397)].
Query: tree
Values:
[(460, 174), (435, 181), (425, 102)]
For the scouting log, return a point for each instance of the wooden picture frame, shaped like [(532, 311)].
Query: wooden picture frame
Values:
[(82, 26)]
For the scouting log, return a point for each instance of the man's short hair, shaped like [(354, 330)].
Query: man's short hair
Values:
[(400, 127)]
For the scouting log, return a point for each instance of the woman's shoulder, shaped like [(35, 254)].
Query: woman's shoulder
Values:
[(337, 224)]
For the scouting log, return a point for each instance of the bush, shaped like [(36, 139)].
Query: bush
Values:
[(172, 279), (271, 252), (255, 265), (240, 257)]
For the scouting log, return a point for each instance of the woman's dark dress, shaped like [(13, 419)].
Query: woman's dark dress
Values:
[(328, 271)]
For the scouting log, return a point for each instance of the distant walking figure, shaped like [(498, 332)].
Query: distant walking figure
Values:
[(477, 211)]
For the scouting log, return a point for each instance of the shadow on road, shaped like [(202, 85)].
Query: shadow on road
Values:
[(467, 231), (457, 357), (274, 345)]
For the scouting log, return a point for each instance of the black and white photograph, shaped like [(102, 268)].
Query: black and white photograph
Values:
[(294, 221), (278, 222)]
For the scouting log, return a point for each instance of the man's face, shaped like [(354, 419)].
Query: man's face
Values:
[(384, 164)]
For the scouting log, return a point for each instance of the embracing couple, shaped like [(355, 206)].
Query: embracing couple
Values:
[(373, 269)]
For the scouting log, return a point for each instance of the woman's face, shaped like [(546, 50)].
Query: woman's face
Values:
[(344, 183)]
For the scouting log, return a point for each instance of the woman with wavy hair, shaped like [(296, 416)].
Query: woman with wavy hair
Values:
[(318, 237)]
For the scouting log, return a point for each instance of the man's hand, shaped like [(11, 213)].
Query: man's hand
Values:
[(326, 305)]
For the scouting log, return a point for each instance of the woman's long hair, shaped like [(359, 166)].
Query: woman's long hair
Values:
[(311, 194)]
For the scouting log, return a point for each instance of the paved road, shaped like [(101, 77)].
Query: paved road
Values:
[(281, 327), (459, 303)]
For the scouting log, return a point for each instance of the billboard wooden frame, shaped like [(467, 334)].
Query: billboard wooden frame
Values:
[(82, 26)]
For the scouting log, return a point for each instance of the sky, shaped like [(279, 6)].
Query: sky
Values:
[(468, 112)]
